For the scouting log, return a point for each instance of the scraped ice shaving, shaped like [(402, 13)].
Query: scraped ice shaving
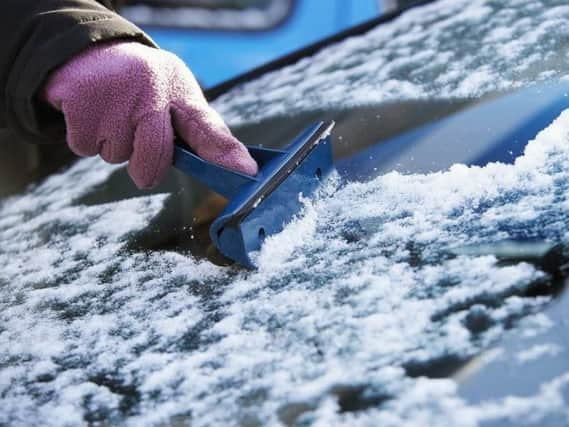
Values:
[(536, 325), (435, 403), (538, 351), (448, 49)]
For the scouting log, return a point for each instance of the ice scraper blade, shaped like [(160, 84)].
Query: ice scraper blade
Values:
[(262, 205)]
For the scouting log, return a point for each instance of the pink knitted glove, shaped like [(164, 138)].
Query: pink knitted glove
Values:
[(124, 100)]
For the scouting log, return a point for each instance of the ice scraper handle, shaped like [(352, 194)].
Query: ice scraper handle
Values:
[(274, 164), (220, 179)]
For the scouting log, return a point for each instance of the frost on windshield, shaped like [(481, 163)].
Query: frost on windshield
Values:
[(351, 310), (449, 49), (354, 305)]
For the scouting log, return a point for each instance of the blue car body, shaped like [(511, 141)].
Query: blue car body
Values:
[(218, 55)]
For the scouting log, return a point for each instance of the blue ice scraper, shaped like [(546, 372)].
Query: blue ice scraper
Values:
[(262, 205)]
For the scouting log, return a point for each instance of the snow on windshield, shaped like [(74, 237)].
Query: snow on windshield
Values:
[(355, 300), (449, 49), (352, 306)]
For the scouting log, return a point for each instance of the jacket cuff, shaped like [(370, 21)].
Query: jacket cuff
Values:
[(27, 114)]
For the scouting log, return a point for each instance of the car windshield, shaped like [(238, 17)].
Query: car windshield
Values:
[(376, 306), (441, 51)]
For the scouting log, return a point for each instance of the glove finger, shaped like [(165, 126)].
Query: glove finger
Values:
[(117, 146), (81, 135), (152, 151), (203, 130)]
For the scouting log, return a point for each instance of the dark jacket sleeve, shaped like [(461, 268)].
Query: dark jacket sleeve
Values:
[(37, 36)]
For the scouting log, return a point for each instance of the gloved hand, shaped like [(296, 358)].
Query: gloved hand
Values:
[(123, 101)]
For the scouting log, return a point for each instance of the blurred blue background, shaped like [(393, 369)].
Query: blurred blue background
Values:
[(220, 39)]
